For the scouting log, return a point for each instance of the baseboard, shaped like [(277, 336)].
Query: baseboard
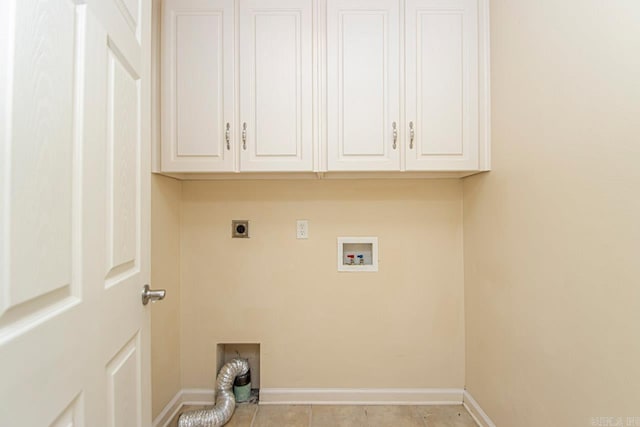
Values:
[(334, 396), (169, 411), (480, 417), (360, 396), (198, 396), (189, 396)]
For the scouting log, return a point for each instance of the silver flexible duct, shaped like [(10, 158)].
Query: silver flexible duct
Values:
[(220, 414)]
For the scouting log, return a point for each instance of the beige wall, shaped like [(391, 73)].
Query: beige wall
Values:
[(165, 274), (400, 327), (552, 241)]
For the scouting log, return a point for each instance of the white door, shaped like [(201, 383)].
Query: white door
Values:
[(198, 86), (363, 85), (276, 117), (74, 217), (442, 85)]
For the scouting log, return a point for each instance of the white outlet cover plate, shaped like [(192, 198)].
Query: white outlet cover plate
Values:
[(302, 229)]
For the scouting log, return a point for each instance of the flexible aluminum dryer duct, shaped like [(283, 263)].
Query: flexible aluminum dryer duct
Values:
[(225, 401)]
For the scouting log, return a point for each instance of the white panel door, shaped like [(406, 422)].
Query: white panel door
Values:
[(363, 85), (276, 92), (74, 228), (442, 85), (198, 86)]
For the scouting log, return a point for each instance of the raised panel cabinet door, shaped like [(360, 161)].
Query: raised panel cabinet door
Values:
[(276, 92), (198, 86), (363, 85), (441, 85)]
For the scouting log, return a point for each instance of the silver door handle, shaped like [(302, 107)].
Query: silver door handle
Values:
[(412, 134), (395, 135), (244, 136), (149, 294), (227, 136)]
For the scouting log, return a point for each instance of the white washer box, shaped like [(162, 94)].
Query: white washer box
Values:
[(357, 254)]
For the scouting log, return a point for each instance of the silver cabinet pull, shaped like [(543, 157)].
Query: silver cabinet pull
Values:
[(395, 135), (149, 294), (227, 136), (244, 136), (412, 134)]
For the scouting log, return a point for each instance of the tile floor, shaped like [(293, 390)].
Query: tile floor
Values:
[(251, 415)]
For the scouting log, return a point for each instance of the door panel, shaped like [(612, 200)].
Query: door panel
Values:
[(121, 195), (198, 86), (276, 85), (199, 73), (72, 415), (275, 78), (440, 106), (123, 393), (74, 184), (123, 169), (442, 84), (40, 286), (37, 209), (130, 10), (363, 84)]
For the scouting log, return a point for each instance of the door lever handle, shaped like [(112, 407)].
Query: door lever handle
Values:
[(149, 294)]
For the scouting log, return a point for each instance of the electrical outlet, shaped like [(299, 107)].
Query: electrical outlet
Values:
[(302, 229), (240, 229)]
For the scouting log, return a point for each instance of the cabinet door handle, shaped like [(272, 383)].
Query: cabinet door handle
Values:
[(227, 136), (412, 134), (395, 135), (244, 136)]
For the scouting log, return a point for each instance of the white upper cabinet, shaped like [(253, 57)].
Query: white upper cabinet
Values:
[(325, 86), (438, 127), (198, 86), (276, 85), (441, 46), (363, 85)]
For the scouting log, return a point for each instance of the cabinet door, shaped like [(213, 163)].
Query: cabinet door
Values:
[(276, 116), (197, 86), (442, 85), (363, 85)]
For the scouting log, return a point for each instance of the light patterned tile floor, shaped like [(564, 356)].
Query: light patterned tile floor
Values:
[(345, 416)]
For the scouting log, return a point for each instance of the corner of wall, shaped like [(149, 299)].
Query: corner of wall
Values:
[(166, 367)]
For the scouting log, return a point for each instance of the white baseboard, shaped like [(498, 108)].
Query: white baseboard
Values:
[(188, 396), (335, 396), (480, 417), (360, 396), (198, 396)]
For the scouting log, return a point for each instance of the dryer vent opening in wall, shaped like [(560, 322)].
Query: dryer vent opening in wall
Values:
[(226, 352), (357, 254)]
